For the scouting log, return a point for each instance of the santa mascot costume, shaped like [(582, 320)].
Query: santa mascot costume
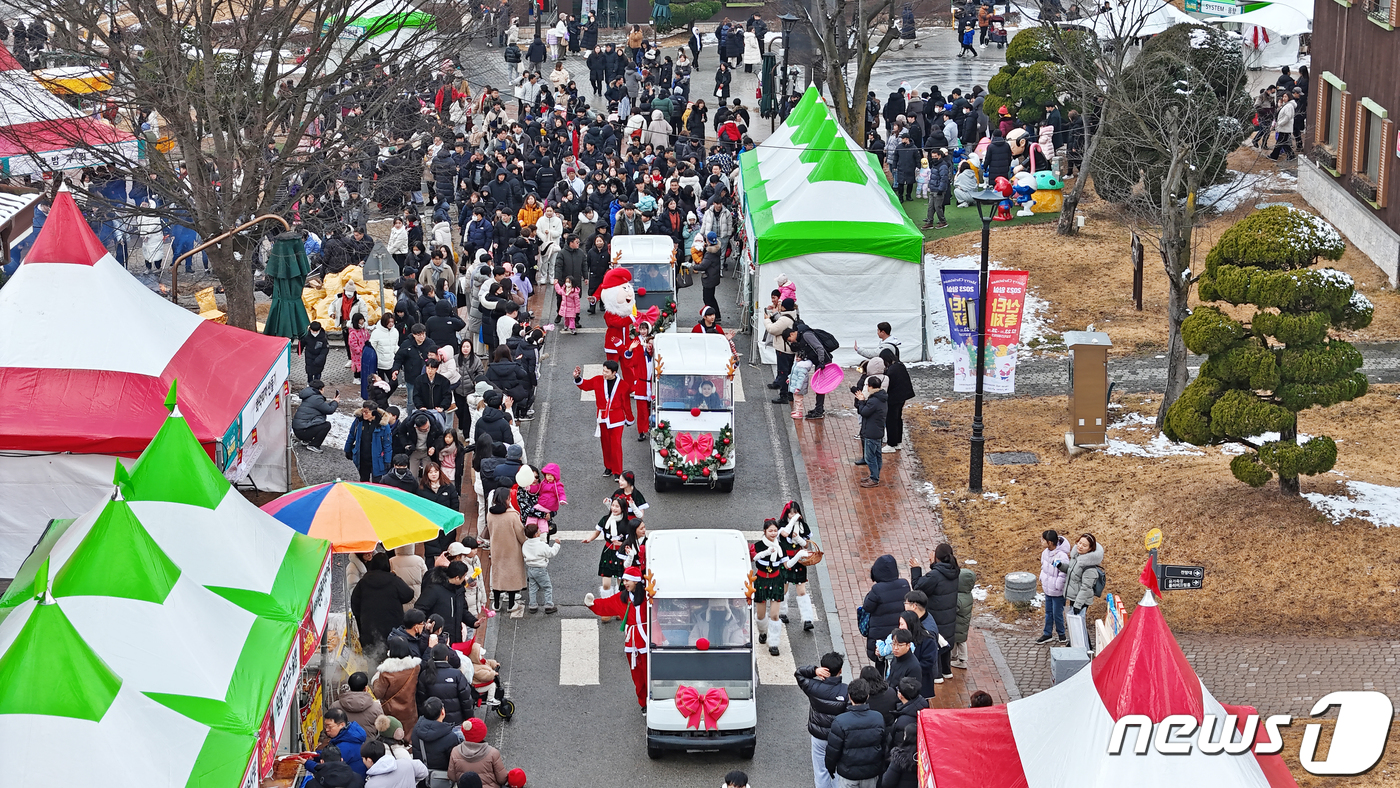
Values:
[(631, 606), (619, 303)]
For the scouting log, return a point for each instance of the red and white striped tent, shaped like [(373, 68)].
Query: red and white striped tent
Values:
[(88, 356), (40, 132), (1059, 738)]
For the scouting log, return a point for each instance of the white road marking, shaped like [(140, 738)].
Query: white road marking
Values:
[(578, 651), (589, 370), (578, 536), (775, 671)]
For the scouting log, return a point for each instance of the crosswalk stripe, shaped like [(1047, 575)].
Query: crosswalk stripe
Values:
[(775, 671), (578, 651)]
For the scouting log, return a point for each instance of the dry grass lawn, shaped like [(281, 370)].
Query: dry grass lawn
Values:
[(1088, 278), (1273, 564)]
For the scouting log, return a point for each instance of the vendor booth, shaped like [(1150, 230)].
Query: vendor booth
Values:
[(1270, 33), (817, 207), (1060, 737), (159, 634), (88, 356), (40, 132)]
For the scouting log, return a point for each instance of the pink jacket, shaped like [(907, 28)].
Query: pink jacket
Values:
[(788, 290), (568, 301), (552, 494), (1052, 580)]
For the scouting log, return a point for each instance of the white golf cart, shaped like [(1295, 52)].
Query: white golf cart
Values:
[(651, 259), (693, 399), (701, 623)]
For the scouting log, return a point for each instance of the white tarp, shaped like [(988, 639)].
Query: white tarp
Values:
[(37, 488)]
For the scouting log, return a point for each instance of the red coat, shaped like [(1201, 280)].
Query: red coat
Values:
[(636, 370), (616, 337), (615, 410), (635, 643)]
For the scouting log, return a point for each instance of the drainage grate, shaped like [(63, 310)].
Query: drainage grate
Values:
[(1013, 458)]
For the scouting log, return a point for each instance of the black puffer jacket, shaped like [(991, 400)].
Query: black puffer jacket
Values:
[(906, 717), (941, 587), (885, 601), (433, 742), (855, 747), (493, 422), (377, 603), (828, 699), (444, 171), (997, 161), (446, 600), (508, 377), (448, 685)]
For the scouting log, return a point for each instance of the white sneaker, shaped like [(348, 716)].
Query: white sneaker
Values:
[(938, 680), (348, 365), (889, 449)]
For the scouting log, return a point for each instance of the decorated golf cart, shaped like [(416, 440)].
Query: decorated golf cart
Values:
[(693, 399), (701, 668), (651, 259)]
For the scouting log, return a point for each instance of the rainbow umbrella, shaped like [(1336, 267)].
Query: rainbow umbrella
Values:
[(354, 516)]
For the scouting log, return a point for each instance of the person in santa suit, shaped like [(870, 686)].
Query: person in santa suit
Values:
[(631, 606), (627, 488), (636, 370), (612, 527), (614, 411), (770, 564)]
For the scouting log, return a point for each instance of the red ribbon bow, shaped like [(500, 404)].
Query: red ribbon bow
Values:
[(652, 313), (695, 448), (709, 706)]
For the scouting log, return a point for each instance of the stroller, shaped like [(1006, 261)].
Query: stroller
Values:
[(998, 34), (505, 708)]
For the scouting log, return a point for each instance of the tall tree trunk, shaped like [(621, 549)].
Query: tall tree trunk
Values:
[(1288, 485), (1067, 225), (237, 278), (1176, 260)]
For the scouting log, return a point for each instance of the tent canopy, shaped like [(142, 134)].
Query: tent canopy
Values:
[(75, 386), (122, 633), (1137, 18), (40, 132), (1293, 18), (810, 188), (1059, 738)]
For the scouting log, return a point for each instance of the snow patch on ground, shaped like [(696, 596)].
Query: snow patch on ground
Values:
[(979, 594), (1234, 449), (1374, 503), (340, 430), (1039, 600), (1034, 318), (1157, 446), (994, 496), (1240, 187), (930, 493)]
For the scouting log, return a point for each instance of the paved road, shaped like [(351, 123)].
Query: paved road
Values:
[(539, 652)]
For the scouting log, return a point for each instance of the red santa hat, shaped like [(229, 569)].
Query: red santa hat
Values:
[(474, 730), (633, 573), (515, 778), (616, 277)]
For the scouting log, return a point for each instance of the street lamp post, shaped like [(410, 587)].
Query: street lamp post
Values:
[(788, 21), (985, 199)]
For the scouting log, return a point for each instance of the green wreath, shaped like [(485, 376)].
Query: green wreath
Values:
[(706, 467)]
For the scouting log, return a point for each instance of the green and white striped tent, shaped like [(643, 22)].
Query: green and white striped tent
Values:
[(384, 17), (156, 640), (819, 209)]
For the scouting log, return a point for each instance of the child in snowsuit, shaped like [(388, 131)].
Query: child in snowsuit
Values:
[(921, 178), (550, 493), (786, 288)]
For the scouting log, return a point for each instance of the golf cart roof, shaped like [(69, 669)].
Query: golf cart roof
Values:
[(698, 563), (693, 354), (643, 248)]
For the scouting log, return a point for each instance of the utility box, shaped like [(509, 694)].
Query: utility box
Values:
[(1088, 387)]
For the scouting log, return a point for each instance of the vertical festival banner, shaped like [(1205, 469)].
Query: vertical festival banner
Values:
[(960, 301), (1006, 300)]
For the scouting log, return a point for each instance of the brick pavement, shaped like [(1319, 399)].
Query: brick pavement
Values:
[(1277, 675), (859, 525)]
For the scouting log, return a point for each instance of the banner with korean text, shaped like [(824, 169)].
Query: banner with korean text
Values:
[(1006, 301), (960, 302)]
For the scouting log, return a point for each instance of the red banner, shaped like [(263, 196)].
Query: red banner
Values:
[(1006, 301)]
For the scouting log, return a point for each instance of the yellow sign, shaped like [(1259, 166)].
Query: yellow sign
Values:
[(1153, 540)]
